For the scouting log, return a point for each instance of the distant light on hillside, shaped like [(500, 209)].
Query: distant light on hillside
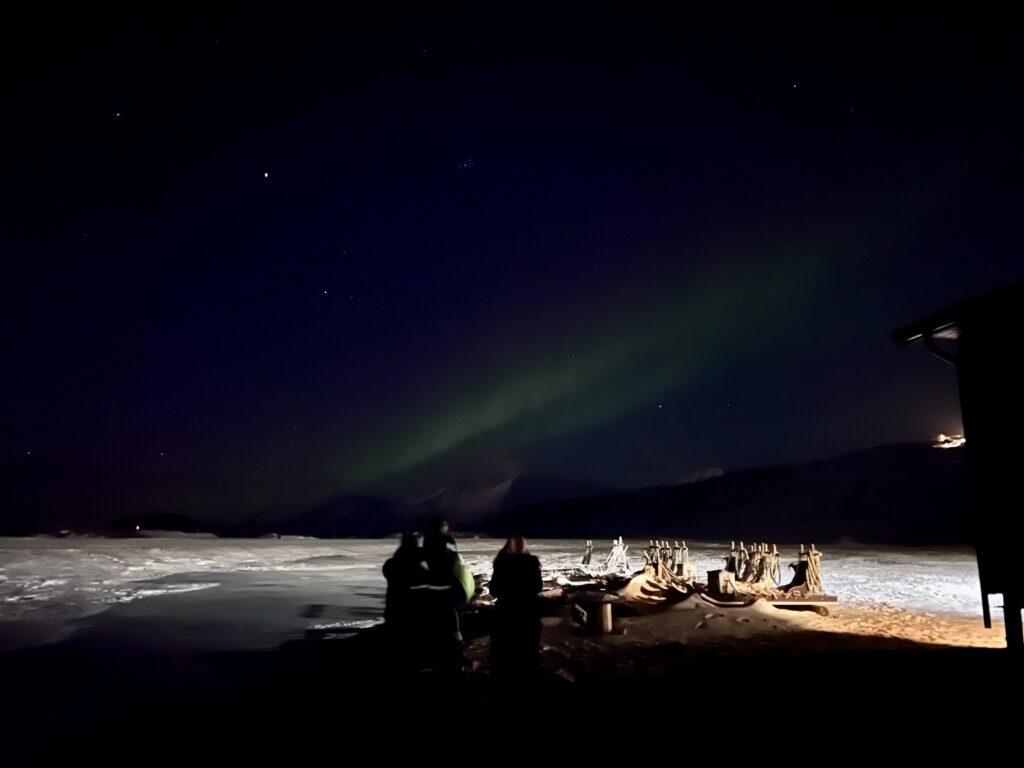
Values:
[(948, 441)]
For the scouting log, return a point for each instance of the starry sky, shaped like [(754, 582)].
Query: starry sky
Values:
[(255, 257)]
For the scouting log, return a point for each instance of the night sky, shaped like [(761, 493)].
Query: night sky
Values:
[(256, 258)]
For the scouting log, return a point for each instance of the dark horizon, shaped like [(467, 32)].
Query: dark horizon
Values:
[(262, 259)]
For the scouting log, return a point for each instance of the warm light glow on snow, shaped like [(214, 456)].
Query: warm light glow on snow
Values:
[(943, 440)]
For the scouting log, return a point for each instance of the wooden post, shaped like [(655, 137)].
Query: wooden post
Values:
[(595, 609)]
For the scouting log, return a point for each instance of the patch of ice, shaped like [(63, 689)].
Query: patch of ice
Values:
[(352, 625)]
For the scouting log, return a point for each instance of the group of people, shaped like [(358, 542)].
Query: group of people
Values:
[(429, 587)]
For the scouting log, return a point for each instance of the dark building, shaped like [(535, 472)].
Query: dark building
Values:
[(981, 337)]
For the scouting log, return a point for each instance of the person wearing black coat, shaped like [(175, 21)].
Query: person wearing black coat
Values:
[(515, 637), (404, 572), (442, 596)]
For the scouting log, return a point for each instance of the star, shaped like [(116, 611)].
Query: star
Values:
[(266, 174)]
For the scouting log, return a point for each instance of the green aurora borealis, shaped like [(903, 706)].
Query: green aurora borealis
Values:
[(624, 358)]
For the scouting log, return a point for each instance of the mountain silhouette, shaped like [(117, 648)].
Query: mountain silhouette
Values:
[(891, 494)]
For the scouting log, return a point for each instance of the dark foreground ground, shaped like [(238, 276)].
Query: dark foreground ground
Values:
[(320, 697)]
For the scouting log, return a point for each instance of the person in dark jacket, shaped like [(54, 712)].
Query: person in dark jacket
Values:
[(445, 591), (515, 584), (404, 571)]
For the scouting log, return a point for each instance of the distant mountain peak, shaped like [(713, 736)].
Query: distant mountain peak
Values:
[(892, 494), (521, 488), (706, 473)]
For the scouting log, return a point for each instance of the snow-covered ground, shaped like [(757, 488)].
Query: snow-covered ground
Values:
[(272, 589)]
